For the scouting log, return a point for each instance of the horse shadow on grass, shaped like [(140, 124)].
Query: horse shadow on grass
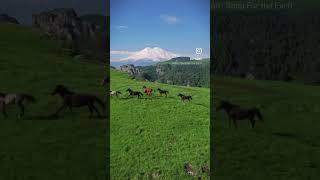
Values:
[(55, 117), (287, 135), (298, 138), (144, 98)]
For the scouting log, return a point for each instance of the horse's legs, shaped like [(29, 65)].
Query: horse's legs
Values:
[(252, 122), (4, 111), (235, 123), (60, 109), (21, 110), (90, 109), (96, 110), (5, 114)]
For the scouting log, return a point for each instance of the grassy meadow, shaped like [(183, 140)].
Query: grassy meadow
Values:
[(285, 146), (154, 137), (35, 147)]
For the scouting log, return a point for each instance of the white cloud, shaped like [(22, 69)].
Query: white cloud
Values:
[(121, 52), (121, 27), (169, 19)]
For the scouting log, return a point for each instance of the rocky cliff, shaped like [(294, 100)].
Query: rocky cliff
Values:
[(82, 35), (130, 69)]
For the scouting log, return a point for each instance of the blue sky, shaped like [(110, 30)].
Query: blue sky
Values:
[(179, 26)]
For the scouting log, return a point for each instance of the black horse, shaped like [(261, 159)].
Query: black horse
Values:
[(183, 97), (165, 92), (134, 93), (20, 100), (235, 112), (72, 99)]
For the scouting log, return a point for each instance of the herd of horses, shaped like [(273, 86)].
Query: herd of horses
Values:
[(73, 99), (148, 92)]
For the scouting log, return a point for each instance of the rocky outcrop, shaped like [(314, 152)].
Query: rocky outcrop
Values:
[(4, 18), (130, 69), (79, 34), (64, 24)]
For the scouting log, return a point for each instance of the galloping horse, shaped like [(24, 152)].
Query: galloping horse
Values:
[(134, 93), (183, 97), (18, 99), (235, 112), (114, 93), (72, 99), (147, 91), (165, 92)]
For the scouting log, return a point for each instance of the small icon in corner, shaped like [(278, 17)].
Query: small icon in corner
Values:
[(198, 50)]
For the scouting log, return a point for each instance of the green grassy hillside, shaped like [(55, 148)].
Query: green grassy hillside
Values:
[(36, 147), (285, 146), (153, 137)]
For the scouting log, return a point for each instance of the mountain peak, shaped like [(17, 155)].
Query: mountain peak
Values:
[(154, 54)]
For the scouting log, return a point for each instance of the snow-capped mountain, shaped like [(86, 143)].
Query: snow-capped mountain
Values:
[(150, 54)]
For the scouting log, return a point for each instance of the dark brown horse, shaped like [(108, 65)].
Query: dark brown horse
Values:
[(183, 97), (20, 100), (235, 112), (72, 99), (134, 93), (165, 92)]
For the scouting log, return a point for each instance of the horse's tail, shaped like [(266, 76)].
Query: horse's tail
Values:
[(100, 102), (258, 114), (28, 97)]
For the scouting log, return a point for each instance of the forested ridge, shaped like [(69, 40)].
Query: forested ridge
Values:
[(182, 72), (266, 44)]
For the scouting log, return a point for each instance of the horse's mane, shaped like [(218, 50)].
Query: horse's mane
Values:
[(2, 94)]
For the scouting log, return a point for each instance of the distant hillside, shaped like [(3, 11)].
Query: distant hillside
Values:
[(179, 71)]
